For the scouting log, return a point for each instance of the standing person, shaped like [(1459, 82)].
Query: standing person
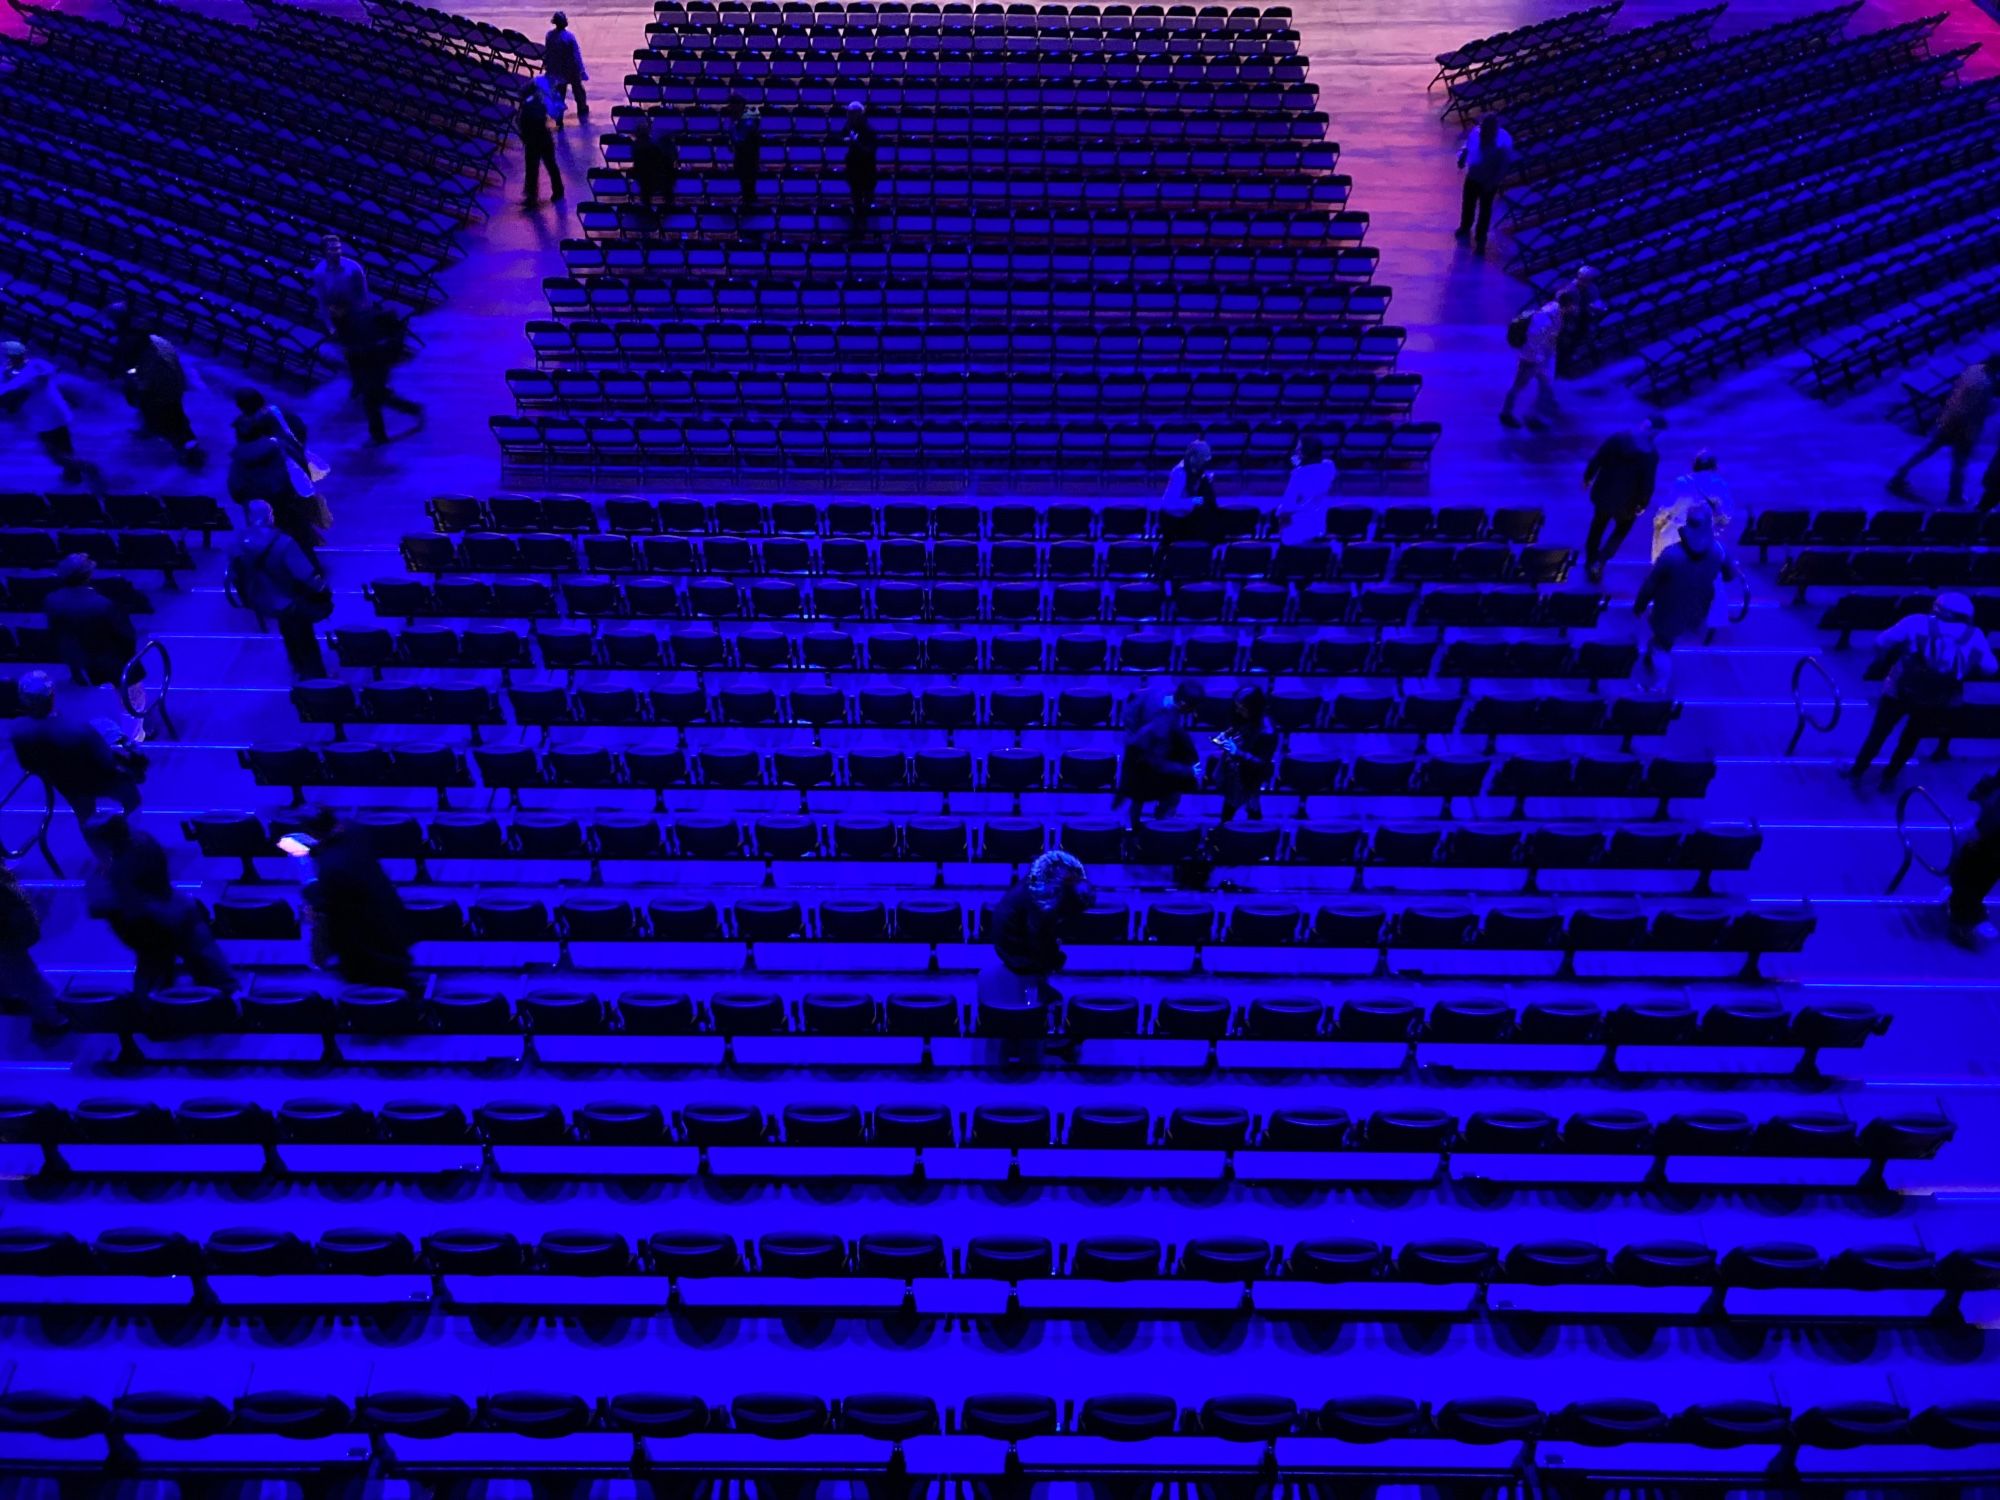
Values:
[(373, 343), (93, 633), (1194, 463), (270, 575), (360, 925), (746, 145), (1029, 923), (862, 166), (1310, 485), (1930, 656), (1249, 748), (538, 148), (656, 165), (1702, 488), (81, 763), (1958, 428), (1975, 869), (128, 888), (1679, 592), (1583, 305), (1619, 478), (339, 285), (1535, 335), (562, 61), (1159, 763), (23, 986), (270, 463), (1486, 156), (29, 386), (1205, 521), (155, 382)]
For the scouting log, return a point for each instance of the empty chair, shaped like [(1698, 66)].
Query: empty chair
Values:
[(1128, 1417), (1225, 1259), (801, 1254), (774, 1415)]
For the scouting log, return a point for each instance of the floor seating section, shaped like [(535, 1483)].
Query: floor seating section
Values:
[(1841, 179), (127, 178)]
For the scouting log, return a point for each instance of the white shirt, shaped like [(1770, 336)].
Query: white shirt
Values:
[(44, 409), (1543, 330), (1176, 490), (1309, 485)]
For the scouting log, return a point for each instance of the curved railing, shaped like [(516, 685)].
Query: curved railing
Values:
[(154, 703), (39, 839), (1805, 719), (1910, 854)]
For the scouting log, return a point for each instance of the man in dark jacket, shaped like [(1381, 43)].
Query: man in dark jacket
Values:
[(373, 341), (1619, 478), (155, 383), (272, 578), (746, 145), (93, 633), (1975, 870), (360, 925), (1678, 592), (23, 986), (656, 164), (128, 887), (76, 760), (1029, 924), (862, 166), (270, 463), (1160, 757), (538, 148)]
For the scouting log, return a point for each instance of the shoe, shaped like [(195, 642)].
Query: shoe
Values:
[(1975, 936), (1479, 247), (1461, 234), (555, 197), (1508, 419), (1900, 488), (1851, 772), (1594, 572), (1538, 424)]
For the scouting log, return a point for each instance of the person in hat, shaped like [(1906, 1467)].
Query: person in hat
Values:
[(1029, 923), (862, 165), (1679, 592), (562, 63), (80, 764), (28, 386), (93, 634), (1929, 658)]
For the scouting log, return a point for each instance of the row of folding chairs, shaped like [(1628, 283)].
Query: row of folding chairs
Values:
[(987, 17), (320, 31), (783, 838), (804, 445), (994, 153), (656, 768), (123, 510), (1850, 526), (457, 33), (1516, 85), (1568, 32), (1890, 566), (990, 189), (874, 65), (1930, 321), (951, 123), (785, 40), (136, 550), (27, 593), (1287, 104), (1216, 279), (1113, 229)]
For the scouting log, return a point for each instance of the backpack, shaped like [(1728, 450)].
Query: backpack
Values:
[(1928, 674), (1517, 330)]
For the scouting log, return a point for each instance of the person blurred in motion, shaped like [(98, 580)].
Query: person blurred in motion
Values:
[(374, 343), (360, 927), (155, 381), (129, 889), (1158, 767), (745, 124), (270, 575), (862, 164), (1486, 156), (93, 633), (1619, 479), (1535, 347), (24, 989), (1702, 488), (270, 463), (1030, 922), (538, 148), (1929, 656), (29, 387), (1678, 594), (562, 62), (1308, 488), (83, 763), (1249, 747), (339, 285), (656, 164), (1958, 428), (1583, 305), (1975, 870)]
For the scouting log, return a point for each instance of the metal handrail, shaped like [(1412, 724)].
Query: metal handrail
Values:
[(1910, 855), (40, 838), (1799, 702), (127, 679)]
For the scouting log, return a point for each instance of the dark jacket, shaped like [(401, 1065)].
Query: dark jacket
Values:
[(362, 922), (1621, 475), (1027, 937), (73, 758), (130, 889), (20, 924), (746, 144), (532, 119), (92, 632), (270, 574), (1681, 586), (1160, 757), (863, 161)]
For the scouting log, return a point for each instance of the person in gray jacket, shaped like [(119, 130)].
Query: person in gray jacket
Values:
[(1678, 592), (270, 575)]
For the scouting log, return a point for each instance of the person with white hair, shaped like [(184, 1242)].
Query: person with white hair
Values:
[(1930, 655), (1582, 299), (862, 166), (28, 386), (1194, 463)]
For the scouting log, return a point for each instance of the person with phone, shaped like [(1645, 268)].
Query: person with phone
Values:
[(360, 927)]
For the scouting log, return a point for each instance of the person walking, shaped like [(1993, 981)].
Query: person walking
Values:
[(1619, 478), (270, 463), (29, 387), (360, 927), (1975, 870), (270, 575), (1679, 592), (1249, 748), (1957, 430), (1534, 336), (1158, 766), (92, 631), (129, 890), (24, 988), (339, 285), (745, 125), (656, 165), (538, 148), (373, 343), (1929, 657), (1485, 156), (1309, 487), (1702, 488), (1583, 306), (862, 164), (155, 382), (562, 61), (1029, 924), (82, 764)]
